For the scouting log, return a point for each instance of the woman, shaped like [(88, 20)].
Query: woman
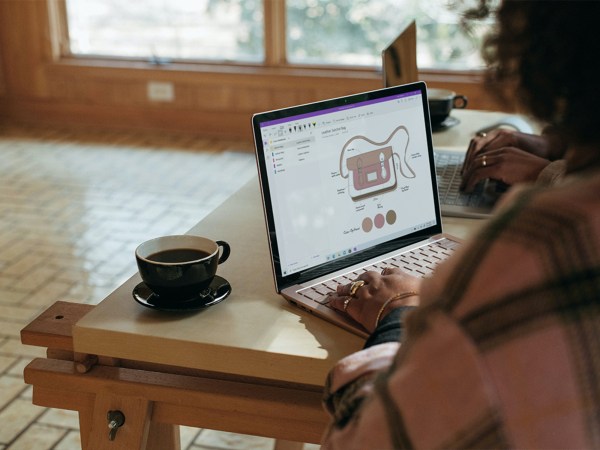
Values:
[(503, 349)]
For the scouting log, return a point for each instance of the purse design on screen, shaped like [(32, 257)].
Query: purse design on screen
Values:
[(371, 169)]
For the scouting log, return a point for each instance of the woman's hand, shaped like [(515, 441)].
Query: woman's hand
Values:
[(365, 305), (507, 156)]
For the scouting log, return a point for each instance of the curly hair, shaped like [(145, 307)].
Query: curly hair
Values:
[(541, 55)]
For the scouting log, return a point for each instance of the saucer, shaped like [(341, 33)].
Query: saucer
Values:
[(218, 291), (445, 124)]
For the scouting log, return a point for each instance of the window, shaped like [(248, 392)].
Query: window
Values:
[(162, 30), (355, 31), (317, 32)]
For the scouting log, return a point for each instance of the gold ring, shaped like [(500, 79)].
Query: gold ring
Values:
[(482, 134), (346, 303), (484, 162), (355, 286)]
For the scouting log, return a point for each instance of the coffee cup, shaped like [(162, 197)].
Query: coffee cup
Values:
[(181, 266), (441, 102)]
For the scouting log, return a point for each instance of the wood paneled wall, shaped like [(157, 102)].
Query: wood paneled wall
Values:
[(37, 85), (2, 82)]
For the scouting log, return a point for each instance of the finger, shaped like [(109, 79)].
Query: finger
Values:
[(392, 271), (483, 170), (371, 278), (465, 165), (481, 145), (476, 176), (351, 288), (337, 301), (352, 306), (343, 290), (397, 280), (494, 170)]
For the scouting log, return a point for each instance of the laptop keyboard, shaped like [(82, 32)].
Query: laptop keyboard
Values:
[(448, 166), (419, 262)]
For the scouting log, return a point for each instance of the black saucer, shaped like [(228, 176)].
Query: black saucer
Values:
[(218, 291), (445, 124)]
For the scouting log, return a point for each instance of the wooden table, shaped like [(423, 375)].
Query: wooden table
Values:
[(251, 364)]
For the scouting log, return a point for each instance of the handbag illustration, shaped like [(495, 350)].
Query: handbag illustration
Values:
[(371, 169)]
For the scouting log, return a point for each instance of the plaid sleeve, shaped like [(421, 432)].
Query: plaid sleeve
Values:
[(505, 351)]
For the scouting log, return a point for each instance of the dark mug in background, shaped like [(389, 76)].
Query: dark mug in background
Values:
[(180, 266), (441, 102)]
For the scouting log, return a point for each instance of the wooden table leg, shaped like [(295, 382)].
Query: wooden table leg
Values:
[(163, 435), (132, 434), (137, 432)]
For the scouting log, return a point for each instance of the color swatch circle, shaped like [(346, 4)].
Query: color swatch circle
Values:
[(379, 221)]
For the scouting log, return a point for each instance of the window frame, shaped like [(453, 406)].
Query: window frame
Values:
[(46, 84), (275, 54)]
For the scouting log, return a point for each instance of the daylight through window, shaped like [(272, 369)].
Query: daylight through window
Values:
[(317, 32)]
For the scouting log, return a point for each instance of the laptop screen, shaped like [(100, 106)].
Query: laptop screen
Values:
[(346, 179)]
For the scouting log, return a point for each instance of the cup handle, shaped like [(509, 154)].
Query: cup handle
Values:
[(459, 102), (225, 251)]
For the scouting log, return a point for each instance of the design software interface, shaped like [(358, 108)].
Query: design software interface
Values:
[(344, 179)]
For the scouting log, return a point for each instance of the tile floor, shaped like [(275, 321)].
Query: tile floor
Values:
[(73, 207)]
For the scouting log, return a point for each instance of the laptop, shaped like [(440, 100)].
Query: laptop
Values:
[(479, 203), (399, 66), (349, 185), (399, 57)]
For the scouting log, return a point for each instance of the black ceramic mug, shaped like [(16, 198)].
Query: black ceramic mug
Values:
[(441, 102), (181, 266)]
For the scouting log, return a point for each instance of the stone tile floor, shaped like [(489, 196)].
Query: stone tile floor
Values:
[(73, 207)]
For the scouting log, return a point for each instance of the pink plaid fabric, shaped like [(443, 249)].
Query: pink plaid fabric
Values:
[(505, 348)]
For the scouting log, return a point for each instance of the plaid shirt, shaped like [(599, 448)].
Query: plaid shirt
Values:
[(504, 350)]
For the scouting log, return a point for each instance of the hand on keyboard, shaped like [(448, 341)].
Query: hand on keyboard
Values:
[(507, 156), (375, 295)]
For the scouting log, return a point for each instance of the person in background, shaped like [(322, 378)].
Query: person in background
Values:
[(513, 157), (500, 347)]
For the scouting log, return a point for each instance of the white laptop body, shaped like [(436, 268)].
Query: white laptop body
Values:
[(347, 184)]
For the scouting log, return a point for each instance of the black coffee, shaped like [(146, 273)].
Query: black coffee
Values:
[(178, 255)]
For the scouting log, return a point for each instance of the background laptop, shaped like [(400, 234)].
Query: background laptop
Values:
[(347, 184), (399, 66)]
